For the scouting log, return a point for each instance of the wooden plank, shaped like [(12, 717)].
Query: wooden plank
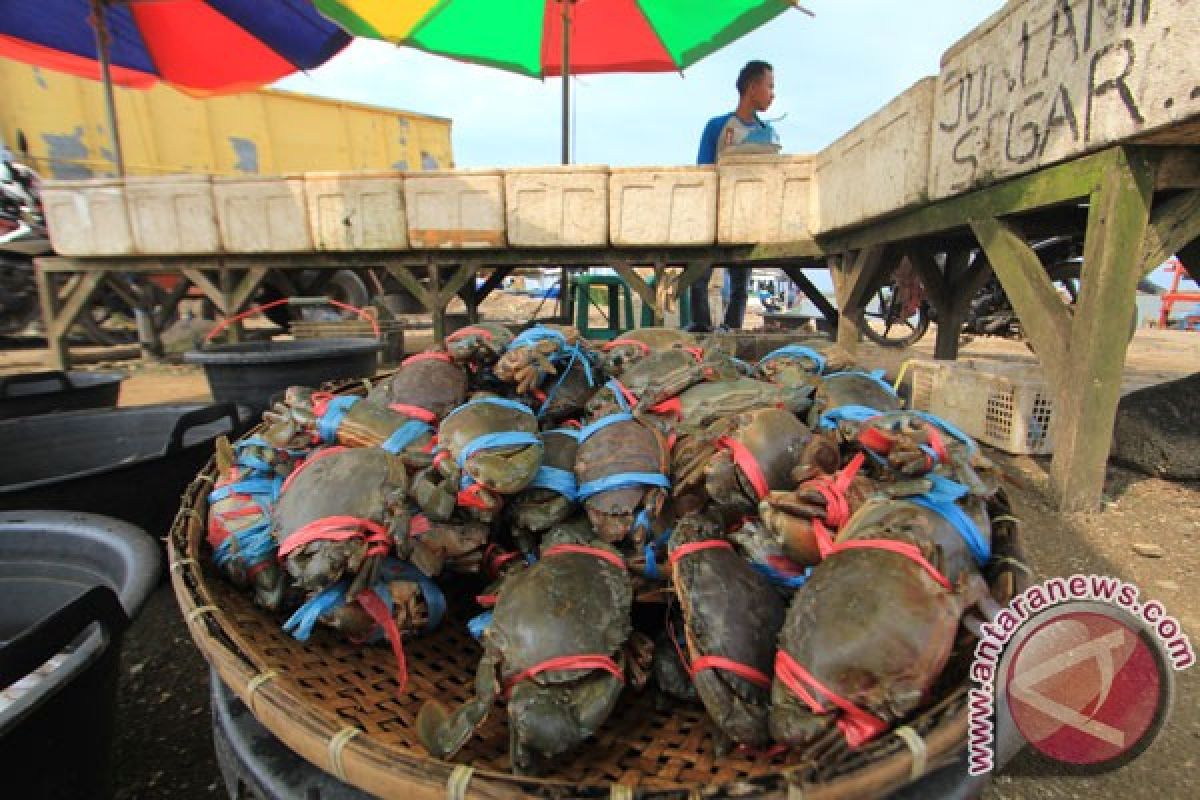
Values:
[(210, 289), (866, 270), (638, 285), (1089, 386), (937, 288), (246, 288), (59, 356), (405, 277), (805, 248), (1178, 168), (1173, 225), (466, 271), (1042, 312), (74, 304), (492, 283), (438, 308), (1047, 187), (815, 295)]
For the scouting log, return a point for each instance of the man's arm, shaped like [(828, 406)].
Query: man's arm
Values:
[(710, 139)]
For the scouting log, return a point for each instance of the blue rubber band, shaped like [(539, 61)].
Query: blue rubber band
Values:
[(851, 413), (961, 522), (255, 544), (651, 550), (331, 420), (589, 430), (538, 333), (796, 351), (435, 599), (405, 435), (300, 625), (492, 441), (555, 479), (778, 578), (478, 624), (623, 480), (615, 386), (874, 375)]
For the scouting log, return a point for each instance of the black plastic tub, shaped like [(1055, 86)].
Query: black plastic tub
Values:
[(69, 585), (255, 373), (42, 392), (129, 463)]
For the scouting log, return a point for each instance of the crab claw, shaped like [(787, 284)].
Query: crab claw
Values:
[(443, 733)]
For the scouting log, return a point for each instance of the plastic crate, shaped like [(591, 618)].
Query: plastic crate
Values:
[(1007, 406)]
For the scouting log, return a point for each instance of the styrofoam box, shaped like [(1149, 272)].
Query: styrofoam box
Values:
[(557, 206), (87, 218), (764, 198), (172, 215), (662, 205), (1007, 406), (356, 210), (262, 215), (879, 167), (455, 208)]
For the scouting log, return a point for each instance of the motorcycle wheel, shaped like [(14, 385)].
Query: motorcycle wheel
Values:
[(884, 322)]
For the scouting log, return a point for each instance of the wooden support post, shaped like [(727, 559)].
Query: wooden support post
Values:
[(437, 308), (60, 313), (853, 276), (491, 284), (949, 290), (1090, 386), (1172, 227), (404, 276), (638, 285), (796, 274), (246, 288), (210, 289), (228, 288), (661, 294)]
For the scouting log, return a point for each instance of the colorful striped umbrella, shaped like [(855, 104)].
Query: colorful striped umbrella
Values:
[(559, 37), (200, 46)]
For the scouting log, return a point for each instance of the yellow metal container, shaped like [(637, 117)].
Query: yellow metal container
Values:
[(61, 120)]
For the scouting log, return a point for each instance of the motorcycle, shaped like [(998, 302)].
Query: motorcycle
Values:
[(23, 237)]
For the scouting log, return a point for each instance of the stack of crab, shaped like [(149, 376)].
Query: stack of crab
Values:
[(801, 551)]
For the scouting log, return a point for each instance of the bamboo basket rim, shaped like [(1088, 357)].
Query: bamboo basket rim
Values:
[(363, 761)]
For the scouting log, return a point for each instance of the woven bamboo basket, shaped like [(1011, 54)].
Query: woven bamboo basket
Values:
[(337, 706)]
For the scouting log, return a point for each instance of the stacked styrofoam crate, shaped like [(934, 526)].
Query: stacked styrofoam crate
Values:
[(654, 206), (1006, 405), (172, 215), (764, 198), (564, 206), (262, 215), (356, 210), (455, 209), (88, 217)]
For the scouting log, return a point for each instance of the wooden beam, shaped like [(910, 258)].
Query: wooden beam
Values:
[(815, 295), (246, 288), (1043, 315), (1046, 187), (1089, 387), (405, 278), (863, 276), (643, 289), (1178, 168), (210, 289), (937, 287), (804, 248), (59, 355), (492, 283), (465, 272), (1173, 225), (438, 309)]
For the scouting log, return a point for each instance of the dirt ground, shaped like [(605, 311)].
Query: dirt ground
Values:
[(164, 749)]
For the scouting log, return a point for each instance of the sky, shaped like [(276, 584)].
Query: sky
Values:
[(831, 71)]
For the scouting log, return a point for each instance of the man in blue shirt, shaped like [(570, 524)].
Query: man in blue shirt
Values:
[(756, 92)]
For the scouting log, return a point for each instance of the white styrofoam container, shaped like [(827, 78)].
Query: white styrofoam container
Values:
[(1007, 406), (87, 217), (880, 166), (764, 198), (663, 205), (356, 210), (172, 215), (262, 215), (565, 206), (455, 208)]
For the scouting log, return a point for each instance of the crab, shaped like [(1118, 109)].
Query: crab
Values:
[(426, 383), (489, 447), (249, 477), (554, 651), (351, 421), (792, 365), (736, 461), (416, 605), (621, 468), (566, 396), (732, 616), (337, 516), (654, 381), (703, 404), (457, 544), (632, 346), (855, 393), (551, 497), (538, 353), (479, 345), (913, 444), (869, 633)]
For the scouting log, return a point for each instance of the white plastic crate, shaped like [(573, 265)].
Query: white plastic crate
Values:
[(87, 218), (455, 208), (356, 210), (563, 206), (262, 215), (764, 198), (663, 206), (172, 215), (1007, 406)]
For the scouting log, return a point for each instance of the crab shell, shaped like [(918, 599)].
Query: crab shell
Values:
[(705, 403), (565, 605), (774, 440), (505, 470), (366, 483), (426, 380), (850, 389), (559, 401), (539, 509), (478, 345), (872, 625), (632, 346), (622, 447), (909, 431), (731, 611), (789, 514), (788, 370), (434, 546)]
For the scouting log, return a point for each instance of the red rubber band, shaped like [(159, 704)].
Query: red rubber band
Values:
[(467, 331), (378, 611), (419, 525), (693, 547), (744, 671), (748, 464), (876, 441), (583, 549), (645, 348), (416, 412), (857, 725), (673, 405), (563, 663), (338, 529), (435, 355)]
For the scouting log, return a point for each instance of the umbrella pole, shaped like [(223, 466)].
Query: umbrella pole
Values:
[(566, 81), (110, 108)]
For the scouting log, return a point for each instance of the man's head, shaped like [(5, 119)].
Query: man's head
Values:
[(756, 84)]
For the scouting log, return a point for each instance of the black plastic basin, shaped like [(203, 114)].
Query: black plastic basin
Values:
[(69, 585), (42, 392), (129, 463), (254, 373)]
